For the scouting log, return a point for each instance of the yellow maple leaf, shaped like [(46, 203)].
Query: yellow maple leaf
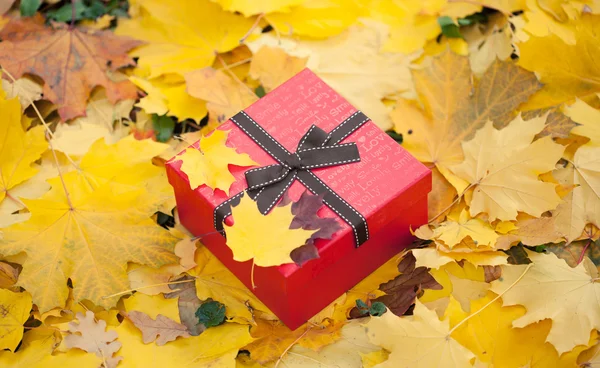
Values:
[(249, 8), (588, 117), (215, 281), (19, 149), (570, 72), (209, 164), (153, 306), (552, 289), (352, 64), (247, 240), (435, 258), (421, 340), (224, 96), (490, 335), (215, 347), (38, 354), (87, 237), (181, 36), (272, 66), (455, 111), (273, 338), (165, 96), (15, 311), (453, 231), (550, 17), (503, 166), (530, 231)]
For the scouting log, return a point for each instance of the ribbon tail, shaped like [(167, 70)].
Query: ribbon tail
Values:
[(315, 137), (267, 197)]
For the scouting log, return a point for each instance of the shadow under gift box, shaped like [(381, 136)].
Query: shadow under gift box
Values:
[(388, 187)]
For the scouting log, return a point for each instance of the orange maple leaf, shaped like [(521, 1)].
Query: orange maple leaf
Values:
[(71, 61)]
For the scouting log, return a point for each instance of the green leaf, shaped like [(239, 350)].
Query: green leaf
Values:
[(377, 309), (94, 10), (65, 12), (260, 91), (395, 136), (361, 305), (449, 28), (163, 126), (29, 7), (211, 313)]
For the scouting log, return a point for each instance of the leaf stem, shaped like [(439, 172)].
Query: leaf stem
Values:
[(491, 301), (147, 287), (62, 180), (252, 275), (291, 345), (252, 28), (453, 203), (73, 12)]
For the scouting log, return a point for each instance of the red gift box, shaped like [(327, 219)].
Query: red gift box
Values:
[(388, 187)]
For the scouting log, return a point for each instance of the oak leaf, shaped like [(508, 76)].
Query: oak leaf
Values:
[(570, 72), (208, 164), (456, 109), (224, 96), (552, 289), (87, 237), (19, 148), (163, 329), (273, 338), (71, 61), (216, 347), (187, 303), (402, 291), (503, 166), (419, 340), (182, 36), (246, 238), (14, 311), (352, 64), (91, 335)]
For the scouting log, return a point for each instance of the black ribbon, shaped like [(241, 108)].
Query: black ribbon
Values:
[(267, 184)]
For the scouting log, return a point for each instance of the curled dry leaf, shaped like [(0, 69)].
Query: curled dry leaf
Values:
[(75, 61), (163, 329)]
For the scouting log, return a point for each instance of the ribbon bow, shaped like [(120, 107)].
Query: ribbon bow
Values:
[(268, 183)]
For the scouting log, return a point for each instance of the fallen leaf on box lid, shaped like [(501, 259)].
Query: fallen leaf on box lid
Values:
[(182, 36), (91, 335), (15, 309), (273, 338), (503, 166), (246, 237), (216, 347), (209, 163), (417, 340), (570, 72), (163, 329), (456, 109), (550, 288), (400, 293), (272, 66), (353, 66), (82, 60), (224, 96), (38, 354), (21, 149)]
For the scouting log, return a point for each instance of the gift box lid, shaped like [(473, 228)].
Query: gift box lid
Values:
[(386, 180)]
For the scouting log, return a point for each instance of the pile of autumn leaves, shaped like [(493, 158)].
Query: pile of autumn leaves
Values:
[(515, 160)]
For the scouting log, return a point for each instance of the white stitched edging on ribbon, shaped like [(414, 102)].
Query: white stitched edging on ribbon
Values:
[(353, 130), (257, 141), (221, 205), (295, 176)]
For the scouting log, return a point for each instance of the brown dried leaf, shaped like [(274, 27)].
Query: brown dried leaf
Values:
[(575, 252), (5, 6), (163, 329), (558, 125), (402, 291), (187, 302), (70, 60), (92, 337), (492, 273), (8, 275), (530, 231)]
